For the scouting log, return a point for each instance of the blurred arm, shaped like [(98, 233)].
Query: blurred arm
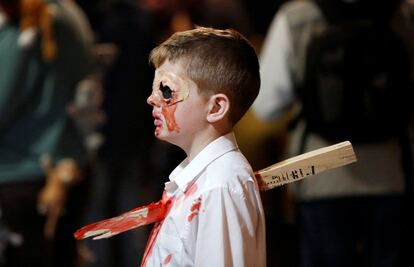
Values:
[(276, 92)]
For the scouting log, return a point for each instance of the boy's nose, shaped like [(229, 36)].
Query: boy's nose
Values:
[(149, 101), (153, 100)]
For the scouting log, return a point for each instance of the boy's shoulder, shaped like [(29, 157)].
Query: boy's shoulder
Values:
[(230, 171)]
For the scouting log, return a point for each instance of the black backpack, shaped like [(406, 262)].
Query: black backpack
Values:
[(356, 82)]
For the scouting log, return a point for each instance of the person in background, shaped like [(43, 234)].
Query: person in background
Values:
[(42, 158), (349, 216)]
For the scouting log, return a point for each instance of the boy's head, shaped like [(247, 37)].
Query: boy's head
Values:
[(217, 61)]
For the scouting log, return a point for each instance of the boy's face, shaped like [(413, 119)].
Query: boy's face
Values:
[(178, 110)]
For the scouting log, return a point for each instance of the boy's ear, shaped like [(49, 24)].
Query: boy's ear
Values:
[(218, 108)]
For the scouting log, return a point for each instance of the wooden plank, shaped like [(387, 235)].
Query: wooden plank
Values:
[(305, 165), (287, 171)]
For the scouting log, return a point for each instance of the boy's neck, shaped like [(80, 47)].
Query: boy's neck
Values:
[(200, 142)]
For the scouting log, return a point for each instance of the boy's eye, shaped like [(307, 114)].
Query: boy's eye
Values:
[(166, 91)]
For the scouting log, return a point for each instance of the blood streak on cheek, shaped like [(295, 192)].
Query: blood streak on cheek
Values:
[(195, 208), (168, 112)]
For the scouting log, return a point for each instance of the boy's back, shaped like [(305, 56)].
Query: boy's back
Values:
[(216, 216)]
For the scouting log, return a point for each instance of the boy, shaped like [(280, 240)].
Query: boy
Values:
[(205, 81)]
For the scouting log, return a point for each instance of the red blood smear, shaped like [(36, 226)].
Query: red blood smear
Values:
[(196, 205), (191, 216), (154, 233), (167, 259), (260, 181), (168, 112), (194, 210), (126, 221), (190, 191)]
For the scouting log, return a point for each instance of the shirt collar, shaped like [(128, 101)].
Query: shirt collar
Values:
[(186, 173)]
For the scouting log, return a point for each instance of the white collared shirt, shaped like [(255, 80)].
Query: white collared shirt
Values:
[(216, 218)]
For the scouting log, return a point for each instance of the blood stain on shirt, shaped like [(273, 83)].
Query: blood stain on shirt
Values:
[(194, 209), (190, 191), (167, 259), (155, 230)]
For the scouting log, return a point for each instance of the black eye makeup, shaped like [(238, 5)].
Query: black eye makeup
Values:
[(169, 88), (166, 91)]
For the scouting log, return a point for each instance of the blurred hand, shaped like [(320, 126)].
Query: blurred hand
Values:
[(52, 198)]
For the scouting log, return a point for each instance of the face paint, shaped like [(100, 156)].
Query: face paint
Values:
[(168, 88), (168, 113)]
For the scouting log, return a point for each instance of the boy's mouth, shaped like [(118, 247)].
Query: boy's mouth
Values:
[(157, 119), (157, 122)]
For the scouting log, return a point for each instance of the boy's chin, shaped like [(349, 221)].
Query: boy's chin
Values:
[(165, 136), (161, 134)]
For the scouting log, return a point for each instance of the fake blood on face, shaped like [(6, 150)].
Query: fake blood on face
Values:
[(168, 112)]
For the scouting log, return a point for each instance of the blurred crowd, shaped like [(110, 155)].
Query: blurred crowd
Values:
[(77, 138)]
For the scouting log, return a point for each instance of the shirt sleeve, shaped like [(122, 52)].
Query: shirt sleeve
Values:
[(228, 229), (276, 92)]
